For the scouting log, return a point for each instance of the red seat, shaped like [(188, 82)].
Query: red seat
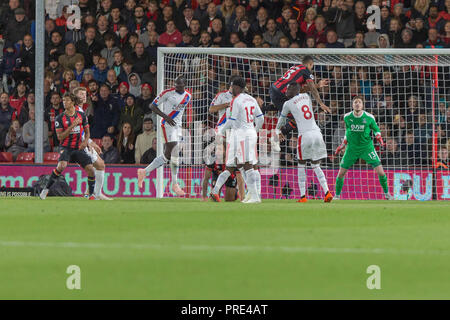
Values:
[(51, 157), (6, 157), (98, 142), (25, 157)]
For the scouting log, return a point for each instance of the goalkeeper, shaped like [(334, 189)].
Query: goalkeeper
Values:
[(358, 145)]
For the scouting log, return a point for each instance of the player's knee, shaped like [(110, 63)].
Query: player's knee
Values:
[(99, 165), (89, 170)]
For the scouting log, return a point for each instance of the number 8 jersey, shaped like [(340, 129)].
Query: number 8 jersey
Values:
[(301, 108)]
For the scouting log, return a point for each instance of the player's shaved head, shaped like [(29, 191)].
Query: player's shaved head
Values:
[(180, 83), (293, 89), (307, 59)]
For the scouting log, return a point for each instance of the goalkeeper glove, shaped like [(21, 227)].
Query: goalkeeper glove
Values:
[(380, 140), (341, 147)]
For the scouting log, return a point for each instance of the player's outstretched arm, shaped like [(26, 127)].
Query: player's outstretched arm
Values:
[(217, 108), (316, 95)]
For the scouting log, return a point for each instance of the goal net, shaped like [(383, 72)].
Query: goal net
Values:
[(408, 92)]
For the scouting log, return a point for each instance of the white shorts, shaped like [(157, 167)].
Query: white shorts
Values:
[(171, 134), (92, 154), (311, 146), (241, 147)]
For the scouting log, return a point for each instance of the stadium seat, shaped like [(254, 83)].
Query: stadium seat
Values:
[(6, 157), (98, 142), (51, 157), (25, 157)]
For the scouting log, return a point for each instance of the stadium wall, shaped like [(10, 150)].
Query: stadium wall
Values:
[(121, 181)]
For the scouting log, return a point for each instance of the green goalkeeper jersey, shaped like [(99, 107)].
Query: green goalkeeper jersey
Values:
[(358, 130)]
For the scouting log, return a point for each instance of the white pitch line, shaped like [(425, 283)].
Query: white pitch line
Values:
[(230, 248)]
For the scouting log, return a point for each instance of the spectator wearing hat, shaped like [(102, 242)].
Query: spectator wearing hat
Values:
[(145, 100), (245, 33), (17, 27), (172, 35), (110, 154), (106, 113), (420, 34), (8, 13), (132, 114), (150, 76), (183, 21), (145, 139), (135, 84)]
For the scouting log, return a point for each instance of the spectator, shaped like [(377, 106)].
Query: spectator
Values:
[(27, 60), (395, 29), (139, 20), (272, 35), (383, 41), (101, 70), (17, 27), (150, 76), (55, 47), (259, 25), (68, 60), (51, 112), (183, 21), (200, 12), (135, 84), (29, 103), (341, 15), (110, 49), (145, 139), (150, 154), (111, 81), (371, 37), (125, 145), (88, 46), (78, 72), (359, 41), (8, 13), (245, 33), (205, 40), (212, 13), (14, 140), (141, 59), (167, 15), (445, 36), (360, 17), (410, 149), (106, 113), (407, 39), (172, 35), (186, 35), (239, 14), (145, 35), (442, 162), (294, 33), (420, 34), (332, 40), (29, 133), (7, 65), (392, 157), (132, 114), (7, 115), (320, 34), (145, 100), (433, 39), (218, 33), (110, 154), (195, 31), (17, 100)]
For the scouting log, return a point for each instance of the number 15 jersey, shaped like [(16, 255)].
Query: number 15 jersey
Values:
[(243, 111), (301, 108)]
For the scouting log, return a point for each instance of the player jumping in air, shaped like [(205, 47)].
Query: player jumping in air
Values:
[(242, 141), (174, 102), (300, 74), (220, 104), (358, 144), (93, 150), (311, 146), (70, 126)]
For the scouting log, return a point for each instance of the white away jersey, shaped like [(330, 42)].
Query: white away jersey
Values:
[(243, 111), (301, 108), (174, 104), (221, 98)]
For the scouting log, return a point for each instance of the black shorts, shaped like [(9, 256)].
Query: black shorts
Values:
[(230, 183), (75, 156), (278, 98)]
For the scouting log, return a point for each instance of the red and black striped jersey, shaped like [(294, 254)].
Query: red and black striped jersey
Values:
[(298, 73), (74, 139)]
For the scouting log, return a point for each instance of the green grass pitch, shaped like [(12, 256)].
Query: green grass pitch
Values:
[(187, 249)]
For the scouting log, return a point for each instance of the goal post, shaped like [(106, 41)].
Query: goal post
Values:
[(407, 90)]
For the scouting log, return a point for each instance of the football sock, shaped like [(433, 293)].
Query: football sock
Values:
[(251, 181), (384, 183), (221, 179), (258, 181), (156, 163), (99, 178), (174, 171), (55, 174), (339, 185), (91, 184), (321, 177), (302, 179)]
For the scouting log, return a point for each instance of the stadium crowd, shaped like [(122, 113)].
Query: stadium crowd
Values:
[(112, 53)]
